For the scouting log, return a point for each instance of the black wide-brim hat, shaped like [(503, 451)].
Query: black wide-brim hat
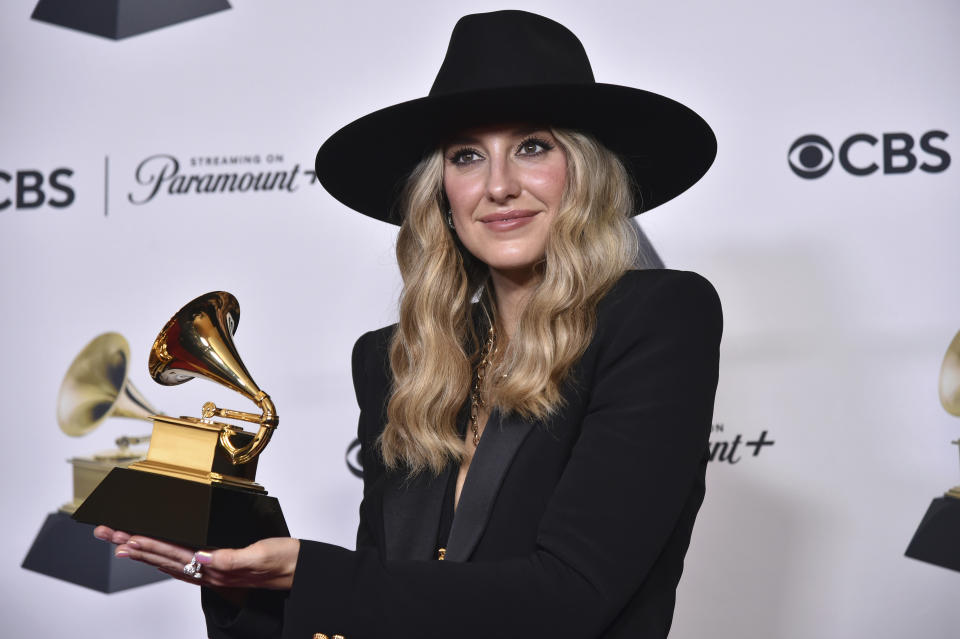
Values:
[(514, 66)]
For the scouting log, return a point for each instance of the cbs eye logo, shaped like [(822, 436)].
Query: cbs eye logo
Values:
[(811, 156), (354, 461)]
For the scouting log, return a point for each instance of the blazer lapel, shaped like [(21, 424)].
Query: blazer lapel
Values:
[(498, 446), (411, 514)]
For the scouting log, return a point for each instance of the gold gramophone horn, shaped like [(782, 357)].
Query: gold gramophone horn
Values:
[(950, 377), (96, 387), (198, 341)]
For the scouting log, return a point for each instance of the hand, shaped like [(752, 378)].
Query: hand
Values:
[(268, 563)]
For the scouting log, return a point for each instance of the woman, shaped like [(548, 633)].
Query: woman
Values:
[(534, 430)]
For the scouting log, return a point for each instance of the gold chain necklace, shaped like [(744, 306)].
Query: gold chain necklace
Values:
[(476, 399)]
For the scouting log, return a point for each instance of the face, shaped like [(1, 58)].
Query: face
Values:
[(504, 186)]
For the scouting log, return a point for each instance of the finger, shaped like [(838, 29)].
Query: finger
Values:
[(120, 537), (231, 560), (109, 534), (157, 547), (163, 562), (104, 533)]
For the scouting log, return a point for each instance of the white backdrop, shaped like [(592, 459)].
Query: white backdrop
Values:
[(839, 293)]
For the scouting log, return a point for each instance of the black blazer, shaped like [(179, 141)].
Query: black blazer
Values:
[(573, 527)]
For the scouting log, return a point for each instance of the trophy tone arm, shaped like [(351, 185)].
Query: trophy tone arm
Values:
[(268, 421)]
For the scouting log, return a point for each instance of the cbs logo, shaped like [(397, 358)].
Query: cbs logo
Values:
[(29, 191), (811, 156), (354, 461)]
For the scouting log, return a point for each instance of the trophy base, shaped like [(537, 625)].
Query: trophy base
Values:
[(119, 19), (935, 541), (67, 550), (185, 512)]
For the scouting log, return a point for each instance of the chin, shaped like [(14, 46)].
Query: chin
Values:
[(513, 265)]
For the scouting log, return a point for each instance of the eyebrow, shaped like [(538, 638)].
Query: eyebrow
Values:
[(517, 132)]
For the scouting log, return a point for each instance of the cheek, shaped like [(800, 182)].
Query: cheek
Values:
[(550, 182), (462, 192)]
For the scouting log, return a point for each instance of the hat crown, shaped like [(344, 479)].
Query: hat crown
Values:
[(510, 48)]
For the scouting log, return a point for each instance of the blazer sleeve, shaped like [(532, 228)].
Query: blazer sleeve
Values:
[(639, 453), (367, 430), (259, 618)]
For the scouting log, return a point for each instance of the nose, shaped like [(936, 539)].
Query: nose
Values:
[(503, 181)]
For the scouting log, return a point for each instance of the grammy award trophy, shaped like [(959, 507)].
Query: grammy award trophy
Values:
[(196, 487), (937, 540), (95, 388)]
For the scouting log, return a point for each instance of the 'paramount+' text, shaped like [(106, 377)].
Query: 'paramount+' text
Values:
[(161, 174)]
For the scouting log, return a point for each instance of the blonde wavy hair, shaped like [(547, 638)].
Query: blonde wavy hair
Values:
[(435, 348)]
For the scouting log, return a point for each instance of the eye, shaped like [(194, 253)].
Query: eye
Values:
[(811, 156), (533, 146), (464, 156)]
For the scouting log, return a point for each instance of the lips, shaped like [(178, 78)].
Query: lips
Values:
[(506, 215), (508, 220)]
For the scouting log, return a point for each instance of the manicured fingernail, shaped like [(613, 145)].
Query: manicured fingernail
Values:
[(122, 553), (133, 544), (204, 557), (100, 536)]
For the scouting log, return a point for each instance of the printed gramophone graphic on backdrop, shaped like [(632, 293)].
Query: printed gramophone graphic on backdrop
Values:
[(196, 486), (937, 540), (96, 387)]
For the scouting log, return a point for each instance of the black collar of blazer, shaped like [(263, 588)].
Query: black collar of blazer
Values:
[(412, 506)]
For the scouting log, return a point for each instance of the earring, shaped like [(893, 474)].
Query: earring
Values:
[(450, 219)]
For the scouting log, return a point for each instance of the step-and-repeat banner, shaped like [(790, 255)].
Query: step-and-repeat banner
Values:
[(150, 153)]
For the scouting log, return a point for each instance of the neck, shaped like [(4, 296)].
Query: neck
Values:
[(511, 289)]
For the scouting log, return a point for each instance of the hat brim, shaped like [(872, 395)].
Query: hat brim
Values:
[(666, 146)]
